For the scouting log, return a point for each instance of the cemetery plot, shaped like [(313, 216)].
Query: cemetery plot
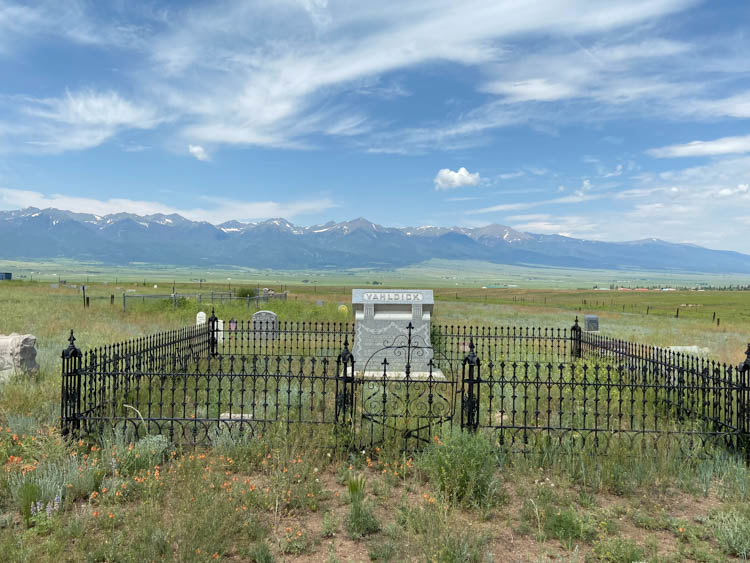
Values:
[(578, 391)]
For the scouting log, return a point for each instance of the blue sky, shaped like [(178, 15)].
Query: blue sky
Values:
[(616, 120)]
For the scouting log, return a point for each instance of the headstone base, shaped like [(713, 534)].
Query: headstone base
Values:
[(437, 375)]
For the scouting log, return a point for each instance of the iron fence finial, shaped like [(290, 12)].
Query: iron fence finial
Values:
[(345, 355), (471, 358), (71, 351)]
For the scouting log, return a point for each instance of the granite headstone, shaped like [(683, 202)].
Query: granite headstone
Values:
[(381, 321)]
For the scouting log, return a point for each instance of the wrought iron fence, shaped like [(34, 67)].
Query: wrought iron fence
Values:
[(529, 388), (285, 338)]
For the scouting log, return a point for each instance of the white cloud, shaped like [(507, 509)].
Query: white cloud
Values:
[(538, 89), (578, 197), (199, 152), (511, 175), (725, 145), (215, 210), (737, 105), (704, 205), (92, 108), (447, 179), (569, 226), (75, 121)]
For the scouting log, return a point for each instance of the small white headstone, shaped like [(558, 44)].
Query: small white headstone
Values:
[(220, 331), (265, 323), (200, 318)]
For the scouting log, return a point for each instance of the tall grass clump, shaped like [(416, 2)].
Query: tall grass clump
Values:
[(463, 468), (361, 521)]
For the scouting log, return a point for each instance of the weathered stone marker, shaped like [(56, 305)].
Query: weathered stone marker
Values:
[(381, 318), (200, 318), (266, 324), (591, 323), (17, 356)]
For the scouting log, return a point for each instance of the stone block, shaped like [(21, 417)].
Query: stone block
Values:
[(17, 356)]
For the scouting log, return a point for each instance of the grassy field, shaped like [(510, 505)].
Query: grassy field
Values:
[(433, 273), (286, 498)]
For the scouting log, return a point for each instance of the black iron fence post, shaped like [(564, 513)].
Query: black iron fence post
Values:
[(70, 397), (213, 331), (470, 380), (743, 403), (576, 348), (345, 388)]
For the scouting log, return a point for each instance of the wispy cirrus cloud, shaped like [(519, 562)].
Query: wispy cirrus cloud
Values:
[(75, 121), (578, 197), (277, 73), (725, 145)]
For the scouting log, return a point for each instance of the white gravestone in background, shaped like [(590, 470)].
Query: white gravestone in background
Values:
[(381, 318), (17, 356), (266, 324), (200, 318)]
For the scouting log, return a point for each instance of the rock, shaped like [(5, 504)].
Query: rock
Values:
[(17, 356)]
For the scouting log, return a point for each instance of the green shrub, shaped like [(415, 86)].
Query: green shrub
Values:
[(731, 529), (329, 525), (567, 526), (383, 551), (463, 468), (131, 458), (261, 553), (618, 550), (437, 536), (64, 481)]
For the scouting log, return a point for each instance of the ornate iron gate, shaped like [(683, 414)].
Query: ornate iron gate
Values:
[(406, 408)]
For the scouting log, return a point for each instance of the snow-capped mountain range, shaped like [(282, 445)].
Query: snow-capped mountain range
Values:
[(278, 244)]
